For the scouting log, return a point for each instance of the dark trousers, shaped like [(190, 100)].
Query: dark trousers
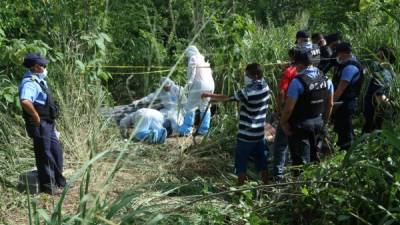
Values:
[(372, 122), (303, 142), (48, 155), (258, 150), (343, 124)]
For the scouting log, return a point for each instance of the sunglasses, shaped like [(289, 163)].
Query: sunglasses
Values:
[(43, 65)]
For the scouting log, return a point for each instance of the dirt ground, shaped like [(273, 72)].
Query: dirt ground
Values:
[(138, 168), (145, 165)]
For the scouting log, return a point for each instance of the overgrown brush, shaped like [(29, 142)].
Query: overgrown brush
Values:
[(191, 184)]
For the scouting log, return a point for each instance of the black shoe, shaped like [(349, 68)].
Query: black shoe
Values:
[(61, 182)]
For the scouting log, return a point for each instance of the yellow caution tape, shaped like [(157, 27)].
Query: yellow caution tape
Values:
[(139, 73)]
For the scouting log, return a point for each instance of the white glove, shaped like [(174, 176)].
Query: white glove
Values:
[(136, 102)]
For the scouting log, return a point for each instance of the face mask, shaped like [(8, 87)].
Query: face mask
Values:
[(43, 74), (247, 80)]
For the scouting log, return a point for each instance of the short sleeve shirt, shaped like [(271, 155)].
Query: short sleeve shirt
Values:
[(350, 73), (30, 90), (296, 87), (254, 101)]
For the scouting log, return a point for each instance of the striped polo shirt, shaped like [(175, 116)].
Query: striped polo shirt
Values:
[(254, 100)]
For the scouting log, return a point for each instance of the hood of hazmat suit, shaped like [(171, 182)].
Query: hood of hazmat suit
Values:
[(198, 69)]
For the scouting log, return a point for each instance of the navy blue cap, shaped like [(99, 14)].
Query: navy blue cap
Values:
[(32, 59), (343, 47), (302, 34)]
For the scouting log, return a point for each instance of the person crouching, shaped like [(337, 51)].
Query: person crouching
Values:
[(147, 126)]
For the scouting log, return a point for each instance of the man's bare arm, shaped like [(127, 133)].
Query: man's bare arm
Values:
[(340, 89), (30, 109), (329, 107), (286, 113), (216, 97), (288, 109)]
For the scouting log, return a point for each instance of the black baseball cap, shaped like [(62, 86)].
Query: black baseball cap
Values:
[(302, 34), (343, 47), (32, 59), (302, 56)]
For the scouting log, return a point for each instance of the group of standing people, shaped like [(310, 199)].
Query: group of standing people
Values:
[(304, 104), (307, 100)]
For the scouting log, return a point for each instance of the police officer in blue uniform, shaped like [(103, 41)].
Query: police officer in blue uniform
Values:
[(347, 81), (307, 109), (40, 112)]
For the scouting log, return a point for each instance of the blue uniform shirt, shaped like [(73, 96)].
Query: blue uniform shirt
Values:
[(31, 90), (350, 73), (296, 87)]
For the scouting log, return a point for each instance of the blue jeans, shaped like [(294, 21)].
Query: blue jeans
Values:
[(48, 155), (279, 152), (246, 149)]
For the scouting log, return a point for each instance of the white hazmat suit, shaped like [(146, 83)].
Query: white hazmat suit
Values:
[(172, 99), (199, 80), (147, 125)]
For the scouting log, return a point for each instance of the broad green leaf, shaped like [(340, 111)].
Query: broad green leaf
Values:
[(9, 98), (100, 43), (42, 213), (80, 65), (304, 190)]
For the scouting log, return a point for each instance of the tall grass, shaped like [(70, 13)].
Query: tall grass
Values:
[(192, 184)]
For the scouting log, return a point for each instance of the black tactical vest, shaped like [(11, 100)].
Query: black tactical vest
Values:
[(353, 89), (47, 112), (316, 55), (315, 52), (312, 102)]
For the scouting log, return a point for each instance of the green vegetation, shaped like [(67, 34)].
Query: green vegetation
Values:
[(118, 182)]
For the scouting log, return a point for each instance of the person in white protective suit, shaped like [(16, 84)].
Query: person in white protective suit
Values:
[(199, 80), (171, 97), (147, 125)]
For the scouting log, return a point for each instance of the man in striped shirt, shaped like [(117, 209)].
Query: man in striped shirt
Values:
[(253, 98)]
